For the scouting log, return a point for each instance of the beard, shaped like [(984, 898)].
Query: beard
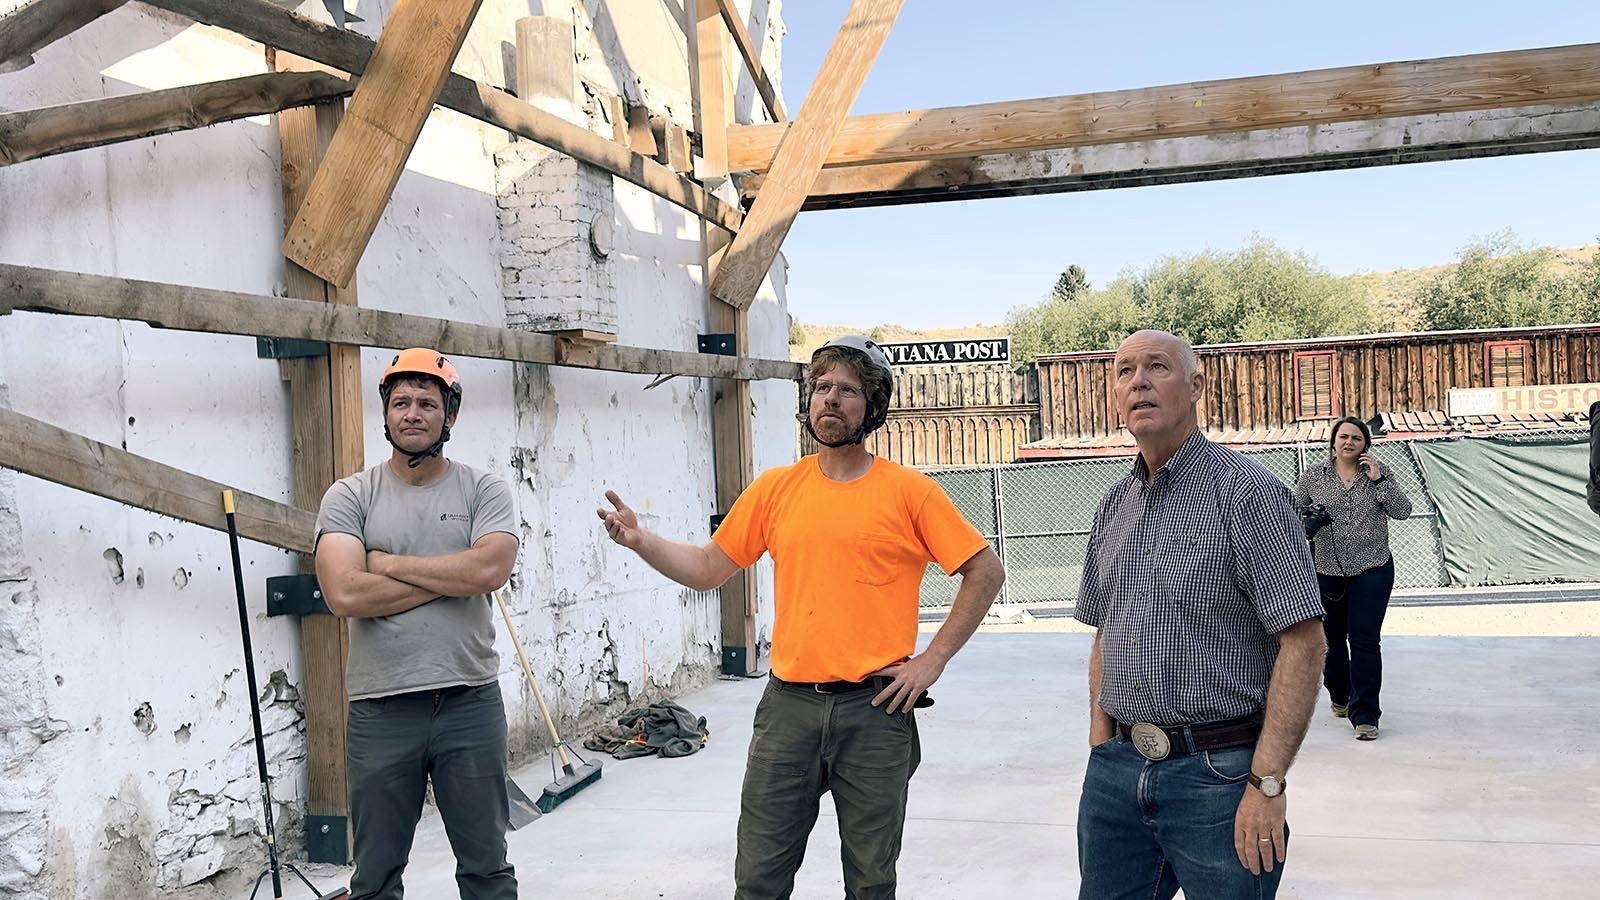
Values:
[(833, 426)]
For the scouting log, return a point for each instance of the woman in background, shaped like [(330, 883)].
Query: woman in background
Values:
[(1354, 567)]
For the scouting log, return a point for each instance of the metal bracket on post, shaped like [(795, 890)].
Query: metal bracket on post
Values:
[(295, 595), (289, 348), (717, 520), (327, 840), (719, 344), (733, 661)]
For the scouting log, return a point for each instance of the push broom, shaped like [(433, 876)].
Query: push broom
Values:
[(274, 865), (572, 778)]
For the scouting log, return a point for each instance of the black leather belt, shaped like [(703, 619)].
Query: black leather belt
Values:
[(875, 683), (1159, 741)]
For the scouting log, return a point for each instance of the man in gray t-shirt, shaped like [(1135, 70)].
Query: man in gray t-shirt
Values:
[(409, 551)]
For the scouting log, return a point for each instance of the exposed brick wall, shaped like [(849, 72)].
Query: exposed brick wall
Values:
[(551, 274)]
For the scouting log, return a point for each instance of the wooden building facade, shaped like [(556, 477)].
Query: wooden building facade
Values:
[(1289, 391)]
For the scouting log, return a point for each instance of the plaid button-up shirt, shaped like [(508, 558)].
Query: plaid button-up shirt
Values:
[(1189, 576)]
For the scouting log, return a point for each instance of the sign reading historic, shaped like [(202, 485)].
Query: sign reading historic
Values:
[(1530, 398), (932, 353)]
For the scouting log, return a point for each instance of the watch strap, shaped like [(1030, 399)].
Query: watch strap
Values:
[(1283, 783)]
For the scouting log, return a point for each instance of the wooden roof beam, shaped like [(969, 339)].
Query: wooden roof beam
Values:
[(1276, 151), (352, 187), (27, 30), (260, 20), (752, 60), (1352, 93), (844, 70), (186, 308), (35, 133)]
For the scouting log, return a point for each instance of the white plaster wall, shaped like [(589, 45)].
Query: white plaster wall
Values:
[(129, 770)]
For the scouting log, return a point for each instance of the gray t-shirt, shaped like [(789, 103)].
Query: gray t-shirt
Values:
[(442, 643)]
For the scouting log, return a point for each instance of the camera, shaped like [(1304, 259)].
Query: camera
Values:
[(1313, 518)]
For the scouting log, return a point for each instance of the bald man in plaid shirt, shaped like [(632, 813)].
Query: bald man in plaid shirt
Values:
[(1206, 658)]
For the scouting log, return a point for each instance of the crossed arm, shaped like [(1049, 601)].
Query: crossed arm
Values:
[(359, 583)]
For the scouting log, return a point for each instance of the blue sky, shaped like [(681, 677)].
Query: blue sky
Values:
[(953, 264)]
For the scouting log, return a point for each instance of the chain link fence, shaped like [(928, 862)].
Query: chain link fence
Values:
[(1037, 516)]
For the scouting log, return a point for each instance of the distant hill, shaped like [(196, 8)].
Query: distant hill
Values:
[(1389, 290)]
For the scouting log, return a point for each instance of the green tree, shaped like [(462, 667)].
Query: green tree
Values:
[(1260, 292), (797, 332), (1071, 285), (1499, 283)]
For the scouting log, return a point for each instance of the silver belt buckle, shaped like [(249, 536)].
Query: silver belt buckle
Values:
[(1151, 741)]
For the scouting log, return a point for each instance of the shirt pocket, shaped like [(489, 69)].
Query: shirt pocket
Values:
[(1199, 561), (877, 558)]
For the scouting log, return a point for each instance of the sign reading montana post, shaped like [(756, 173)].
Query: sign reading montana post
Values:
[(943, 353)]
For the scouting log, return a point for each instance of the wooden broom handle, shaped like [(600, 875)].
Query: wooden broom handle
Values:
[(528, 670)]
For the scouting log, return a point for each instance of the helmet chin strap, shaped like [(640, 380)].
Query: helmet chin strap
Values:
[(416, 459)]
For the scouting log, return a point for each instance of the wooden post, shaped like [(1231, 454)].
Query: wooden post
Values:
[(732, 437), (325, 397), (711, 94), (733, 450)]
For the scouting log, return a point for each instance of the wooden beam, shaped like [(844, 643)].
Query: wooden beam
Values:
[(1279, 151), (800, 158), (44, 451), (325, 410), (641, 135), (27, 30), (260, 20), (710, 89), (752, 60), (675, 152), (352, 186), (1348, 94), (35, 133), (225, 312)]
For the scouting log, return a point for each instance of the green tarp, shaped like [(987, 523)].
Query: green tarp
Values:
[(1512, 512)]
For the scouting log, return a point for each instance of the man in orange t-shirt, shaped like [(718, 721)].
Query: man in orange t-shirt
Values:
[(850, 536)]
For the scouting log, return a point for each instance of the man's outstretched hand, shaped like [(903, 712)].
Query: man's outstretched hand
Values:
[(620, 522)]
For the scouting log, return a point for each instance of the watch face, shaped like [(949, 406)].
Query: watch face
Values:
[(1271, 786)]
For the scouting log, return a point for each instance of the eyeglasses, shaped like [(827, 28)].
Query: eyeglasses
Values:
[(846, 391)]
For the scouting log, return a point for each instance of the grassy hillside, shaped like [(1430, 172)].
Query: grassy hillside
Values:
[(1390, 292)]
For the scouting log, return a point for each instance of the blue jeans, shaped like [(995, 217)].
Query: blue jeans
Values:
[(1146, 828), (1353, 670)]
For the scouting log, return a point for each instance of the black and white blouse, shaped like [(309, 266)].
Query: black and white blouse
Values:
[(1358, 537)]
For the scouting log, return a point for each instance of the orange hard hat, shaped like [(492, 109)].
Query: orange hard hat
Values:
[(423, 361)]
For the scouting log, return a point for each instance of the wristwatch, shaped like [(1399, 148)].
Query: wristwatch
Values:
[(1269, 785)]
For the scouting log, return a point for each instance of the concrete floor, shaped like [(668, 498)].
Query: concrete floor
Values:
[(1485, 784)]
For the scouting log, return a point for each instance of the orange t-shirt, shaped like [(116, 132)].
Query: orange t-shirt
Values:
[(849, 559)]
